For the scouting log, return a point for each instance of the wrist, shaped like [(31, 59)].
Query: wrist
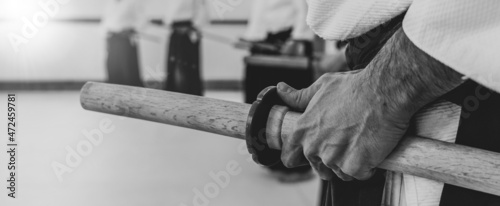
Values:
[(405, 78), (404, 92)]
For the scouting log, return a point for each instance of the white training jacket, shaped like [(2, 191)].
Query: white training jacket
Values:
[(124, 14), (196, 11), (463, 34), (270, 16)]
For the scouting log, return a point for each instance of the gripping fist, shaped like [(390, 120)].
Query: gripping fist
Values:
[(347, 128)]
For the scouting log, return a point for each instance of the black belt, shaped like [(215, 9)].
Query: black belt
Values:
[(182, 24)]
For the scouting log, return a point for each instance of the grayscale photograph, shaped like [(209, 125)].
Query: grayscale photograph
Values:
[(250, 102)]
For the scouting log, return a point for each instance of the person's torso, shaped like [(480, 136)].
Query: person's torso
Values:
[(123, 15), (278, 15), (179, 10)]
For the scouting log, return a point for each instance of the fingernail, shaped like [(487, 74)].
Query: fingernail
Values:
[(282, 87)]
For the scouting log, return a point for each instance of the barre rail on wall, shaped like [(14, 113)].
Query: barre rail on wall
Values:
[(227, 22)]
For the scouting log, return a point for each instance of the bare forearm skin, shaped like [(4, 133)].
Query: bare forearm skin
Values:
[(405, 78)]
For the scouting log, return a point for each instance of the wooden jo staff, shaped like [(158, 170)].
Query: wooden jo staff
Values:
[(445, 162)]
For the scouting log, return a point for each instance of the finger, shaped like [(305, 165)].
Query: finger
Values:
[(321, 169), (324, 172), (297, 99), (339, 172), (293, 156), (365, 175), (357, 166), (292, 149)]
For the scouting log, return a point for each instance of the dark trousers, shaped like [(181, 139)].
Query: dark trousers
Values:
[(183, 60), (123, 61), (478, 128)]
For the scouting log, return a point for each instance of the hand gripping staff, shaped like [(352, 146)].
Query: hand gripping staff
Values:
[(267, 123)]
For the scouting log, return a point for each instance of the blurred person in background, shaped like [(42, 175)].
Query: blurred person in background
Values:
[(122, 20), (183, 62), (282, 25)]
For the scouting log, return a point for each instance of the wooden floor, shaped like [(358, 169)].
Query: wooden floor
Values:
[(139, 163)]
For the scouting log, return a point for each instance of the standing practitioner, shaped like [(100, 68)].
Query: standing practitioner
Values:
[(282, 24), (183, 56), (122, 20)]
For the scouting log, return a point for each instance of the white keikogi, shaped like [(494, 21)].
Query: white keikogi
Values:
[(186, 10), (462, 34), (272, 16), (125, 14)]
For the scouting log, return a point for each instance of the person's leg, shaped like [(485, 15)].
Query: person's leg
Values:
[(191, 56), (184, 62), (122, 61), (114, 58), (133, 63), (172, 61)]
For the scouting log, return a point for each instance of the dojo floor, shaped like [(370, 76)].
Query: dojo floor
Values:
[(139, 163)]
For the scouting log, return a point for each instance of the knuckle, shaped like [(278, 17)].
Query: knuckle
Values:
[(325, 176), (311, 155), (345, 178), (364, 175), (287, 160), (357, 171), (338, 171)]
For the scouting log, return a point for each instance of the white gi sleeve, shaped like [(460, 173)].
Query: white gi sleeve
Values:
[(344, 19), (463, 34)]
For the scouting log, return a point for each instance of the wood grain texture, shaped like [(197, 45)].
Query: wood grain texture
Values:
[(200, 113), (432, 159)]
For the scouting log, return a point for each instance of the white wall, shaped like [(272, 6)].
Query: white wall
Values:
[(76, 51)]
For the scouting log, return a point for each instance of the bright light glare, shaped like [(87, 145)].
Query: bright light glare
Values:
[(16, 9)]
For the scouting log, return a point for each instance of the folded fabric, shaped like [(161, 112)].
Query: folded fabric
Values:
[(462, 34)]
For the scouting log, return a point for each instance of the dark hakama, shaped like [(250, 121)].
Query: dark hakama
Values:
[(183, 60), (123, 61)]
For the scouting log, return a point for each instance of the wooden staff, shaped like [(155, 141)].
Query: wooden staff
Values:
[(445, 162)]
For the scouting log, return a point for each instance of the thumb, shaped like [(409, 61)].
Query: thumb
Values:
[(296, 99)]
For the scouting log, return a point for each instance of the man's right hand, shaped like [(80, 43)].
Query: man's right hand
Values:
[(347, 129), (352, 121)]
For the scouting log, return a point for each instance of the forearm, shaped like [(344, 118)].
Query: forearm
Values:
[(405, 77)]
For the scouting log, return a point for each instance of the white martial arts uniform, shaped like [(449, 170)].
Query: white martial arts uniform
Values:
[(272, 16), (462, 34), (124, 15), (196, 11), (122, 20)]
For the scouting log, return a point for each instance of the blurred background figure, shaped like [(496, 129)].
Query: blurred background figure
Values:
[(282, 25), (122, 20), (279, 23), (171, 165), (183, 52)]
